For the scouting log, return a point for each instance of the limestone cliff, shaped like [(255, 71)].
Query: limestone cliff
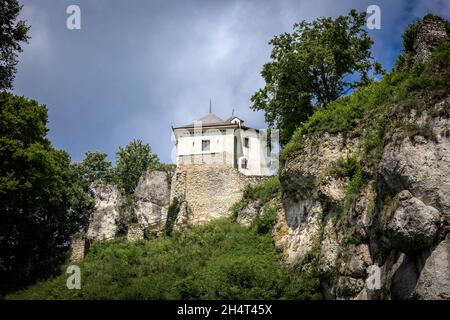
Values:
[(366, 186), (151, 200), (103, 220), (390, 240)]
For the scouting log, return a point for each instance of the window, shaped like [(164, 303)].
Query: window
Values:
[(205, 145), (244, 163), (246, 142)]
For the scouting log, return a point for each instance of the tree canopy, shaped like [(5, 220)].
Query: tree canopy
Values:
[(36, 193), (132, 161), (312, 66), (44, 197), (12, 33)]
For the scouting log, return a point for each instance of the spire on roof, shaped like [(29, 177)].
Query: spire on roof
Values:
[(210, 105)]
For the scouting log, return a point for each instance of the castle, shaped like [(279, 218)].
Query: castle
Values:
[(211, 140), (216, 159)]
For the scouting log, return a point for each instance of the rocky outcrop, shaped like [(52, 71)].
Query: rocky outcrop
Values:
[(151, 200), (375, 225), (203, 193), (391, 240), (413, 225), (305, 186), (248, 213), (421, 165), (103, 220), (434, 279)]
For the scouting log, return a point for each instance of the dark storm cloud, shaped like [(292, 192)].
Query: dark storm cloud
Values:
[(138, 67)]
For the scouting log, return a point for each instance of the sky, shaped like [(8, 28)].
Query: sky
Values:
[(138, 67)]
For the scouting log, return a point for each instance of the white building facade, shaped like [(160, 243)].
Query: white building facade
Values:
[(211, 140)]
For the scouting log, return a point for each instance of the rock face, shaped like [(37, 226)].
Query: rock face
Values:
[(389, 237), (303, 194), (103, 220), (392, 240), (434, 279), (421, 166), (247, 214), (414, 226), (151, 200)]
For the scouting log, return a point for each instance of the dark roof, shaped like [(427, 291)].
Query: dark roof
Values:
[(210, 120)]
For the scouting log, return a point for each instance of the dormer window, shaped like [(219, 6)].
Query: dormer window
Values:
[(237, 121)]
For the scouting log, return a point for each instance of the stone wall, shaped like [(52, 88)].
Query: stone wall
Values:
[(207, 192), (431, 31), (135, 232), (79, 246)]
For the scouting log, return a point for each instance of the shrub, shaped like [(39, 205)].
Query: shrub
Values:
[(263, 191), (172, 214), (264, 222), (345, 167), (219, 260)]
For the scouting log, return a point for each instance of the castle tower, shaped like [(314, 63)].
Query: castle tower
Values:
[(431, 31)]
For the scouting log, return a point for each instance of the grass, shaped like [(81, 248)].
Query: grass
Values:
[(220, 260)]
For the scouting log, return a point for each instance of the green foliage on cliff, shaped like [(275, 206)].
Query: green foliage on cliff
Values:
[(260, 193), (264, 191), (220, 260), (380, 105), (172, 214), (264, 222)]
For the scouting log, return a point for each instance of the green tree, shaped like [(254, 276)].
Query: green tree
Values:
[(12, 33), (312, 66), (94, 167), (36, 193), (132, 161)]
